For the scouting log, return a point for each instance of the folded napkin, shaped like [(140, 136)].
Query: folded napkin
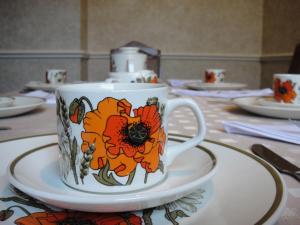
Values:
[(225, 93), (180, 82), (287, 132), (49, 97)]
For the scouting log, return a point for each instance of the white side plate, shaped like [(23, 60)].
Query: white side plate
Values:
[(21, 105), (252, 105), (215, 86), (38, 85), (271, 102)]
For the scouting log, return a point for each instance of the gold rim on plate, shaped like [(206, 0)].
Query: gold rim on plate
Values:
[(278, 183)]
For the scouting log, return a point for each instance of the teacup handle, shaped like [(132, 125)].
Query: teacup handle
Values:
[(174, 150)]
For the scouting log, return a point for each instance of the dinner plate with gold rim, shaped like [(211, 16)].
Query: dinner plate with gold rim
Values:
[(245, 189), (215, 86), (251, 104)]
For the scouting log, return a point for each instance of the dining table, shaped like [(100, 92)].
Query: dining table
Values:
[(237, 195)]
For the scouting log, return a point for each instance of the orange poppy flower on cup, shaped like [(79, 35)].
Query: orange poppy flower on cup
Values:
[(284, 91), (55, 218), (154, 80), (149, 159), (121, 139), (94, 124), (210, 77)]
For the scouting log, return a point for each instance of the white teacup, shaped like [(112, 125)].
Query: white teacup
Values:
[(286, 88), (56, 76), (143, 76), (113, 137), (128, 59), (214, 75)]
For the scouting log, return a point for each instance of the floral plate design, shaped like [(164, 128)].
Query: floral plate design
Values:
[(232, 190)]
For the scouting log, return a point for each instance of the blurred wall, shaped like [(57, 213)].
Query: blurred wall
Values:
[(193, 35), (36, 35), (281, 33)]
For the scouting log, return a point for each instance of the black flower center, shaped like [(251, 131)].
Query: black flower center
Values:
[(282, 90), (76, 221), (137, 134)]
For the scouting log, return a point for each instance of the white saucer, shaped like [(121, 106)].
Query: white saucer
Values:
[(251, 104), (271, 102), (21, 105), (41, 180), (38, 85), (215, 86), (245, 190), (6, 101)]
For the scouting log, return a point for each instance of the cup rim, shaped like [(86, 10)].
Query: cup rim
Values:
[(124, 74), (286, 75), (64, 70), (215, 70), (103, 87)]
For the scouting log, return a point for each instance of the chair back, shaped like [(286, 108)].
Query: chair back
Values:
[(295, 62)]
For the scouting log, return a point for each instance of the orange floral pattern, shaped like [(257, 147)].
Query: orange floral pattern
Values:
[(56, 218), (154, 80), (123, 140), (210, 77), (284, 91)]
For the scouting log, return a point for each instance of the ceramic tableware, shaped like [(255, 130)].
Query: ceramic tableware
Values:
[(143, 76), (231, 192), (270, 101), (253, 105), (197, 168), (55, 76), (149, 76), (112, 137), (214, 76), (21, 105), (38, 85), (215, 86), (128, 59), (6, 101), (286, 89)]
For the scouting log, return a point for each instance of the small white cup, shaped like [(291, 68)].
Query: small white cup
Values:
[(113, 137), (143, 76), (128, 59), (214, 75), (56, 76), (286, 88)]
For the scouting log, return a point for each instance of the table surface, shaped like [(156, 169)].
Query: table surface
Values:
[(181, 121)]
